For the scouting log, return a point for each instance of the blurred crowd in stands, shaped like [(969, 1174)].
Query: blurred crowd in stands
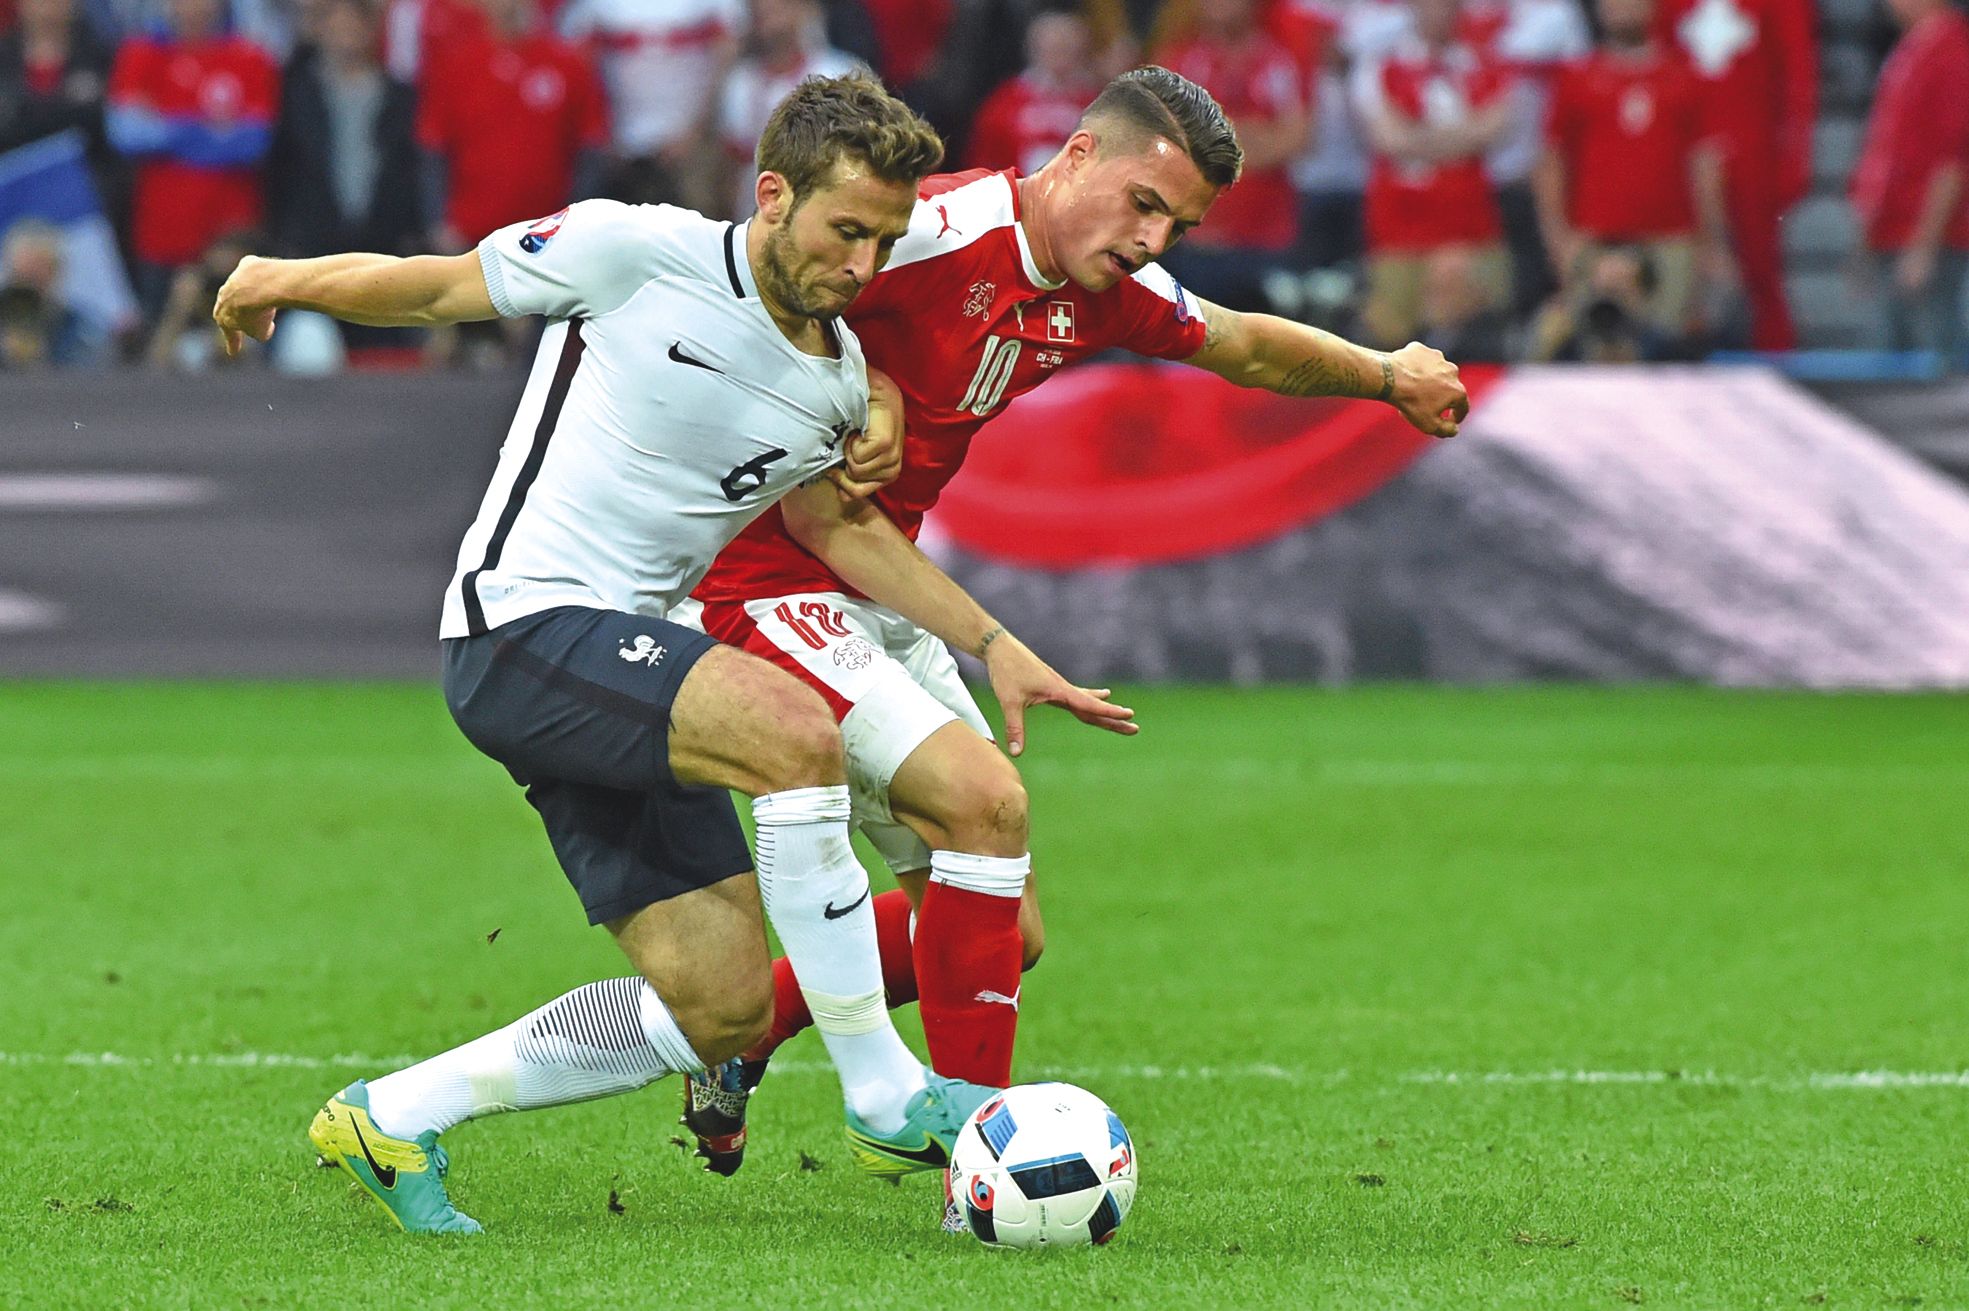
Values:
[(1508, 179)]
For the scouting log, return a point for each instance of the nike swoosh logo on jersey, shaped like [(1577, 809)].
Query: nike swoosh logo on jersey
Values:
[(386, 1175), (677, 354), (828, 911)]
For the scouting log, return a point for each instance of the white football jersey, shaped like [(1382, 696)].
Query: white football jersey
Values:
[(664, 412)]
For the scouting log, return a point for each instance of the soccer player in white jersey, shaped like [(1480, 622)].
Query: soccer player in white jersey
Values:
[(692, 372), (1002, 281)]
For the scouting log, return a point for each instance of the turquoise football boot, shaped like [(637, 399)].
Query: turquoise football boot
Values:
[(405, 1175), (932, 1121)]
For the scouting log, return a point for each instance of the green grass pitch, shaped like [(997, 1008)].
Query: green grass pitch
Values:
[(1411, 997)]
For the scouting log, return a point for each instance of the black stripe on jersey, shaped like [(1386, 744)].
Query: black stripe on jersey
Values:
[(543, 432), (731, 259)]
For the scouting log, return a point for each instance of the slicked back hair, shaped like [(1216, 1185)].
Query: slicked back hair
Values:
[(1154, 102), (827, 119)]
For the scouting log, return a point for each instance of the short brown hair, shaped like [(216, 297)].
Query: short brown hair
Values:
[(1153, 101), (827, 118)]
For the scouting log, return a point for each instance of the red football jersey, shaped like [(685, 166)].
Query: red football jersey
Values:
[(509, 118), (1256, 81), (1627, 130), (1762, 58), (179, 207), (963, 322), (1415, 206), (1919, 124), (1025, 122)]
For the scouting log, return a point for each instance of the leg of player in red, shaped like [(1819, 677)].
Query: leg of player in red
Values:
[(965, 799)]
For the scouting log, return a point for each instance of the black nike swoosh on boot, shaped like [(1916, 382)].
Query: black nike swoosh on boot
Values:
[(828, 911), (677, 354), (934, 1155), (386, 1175)]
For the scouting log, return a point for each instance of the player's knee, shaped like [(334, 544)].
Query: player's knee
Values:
[(988, 813), (722, 1023), (807, 743)]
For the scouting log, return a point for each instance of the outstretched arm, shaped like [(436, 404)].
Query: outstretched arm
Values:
[(1292, 359), (859, 543), (379, 290)]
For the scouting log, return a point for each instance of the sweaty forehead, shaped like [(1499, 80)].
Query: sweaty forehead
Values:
[(1162, 166), (853, 192)]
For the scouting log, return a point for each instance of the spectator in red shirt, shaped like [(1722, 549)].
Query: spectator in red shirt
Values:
[(1022, 123), (1432, 106), (1254, 224), (1760, 58), (513, 124), (1911, 189), (1630, 162), (194, 107)]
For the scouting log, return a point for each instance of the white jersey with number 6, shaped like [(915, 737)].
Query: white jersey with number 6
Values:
[(664, 412)]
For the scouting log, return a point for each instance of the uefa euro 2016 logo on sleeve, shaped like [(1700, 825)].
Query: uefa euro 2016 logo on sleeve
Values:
[(535, 239)]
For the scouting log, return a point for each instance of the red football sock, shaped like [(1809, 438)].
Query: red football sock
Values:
[(969, 955), (790, 1014)]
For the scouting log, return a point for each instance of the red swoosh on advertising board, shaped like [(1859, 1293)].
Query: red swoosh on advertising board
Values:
[(1146, 464)]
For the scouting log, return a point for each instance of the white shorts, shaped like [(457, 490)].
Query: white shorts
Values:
[(889, 683)]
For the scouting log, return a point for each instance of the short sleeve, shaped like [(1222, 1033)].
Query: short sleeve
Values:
[(586, 260), (1159, 318)]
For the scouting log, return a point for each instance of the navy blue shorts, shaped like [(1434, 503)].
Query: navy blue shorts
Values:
[(575, 703)]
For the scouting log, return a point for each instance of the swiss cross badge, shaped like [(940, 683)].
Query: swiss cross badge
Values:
[(978, 303), (1059, 320)]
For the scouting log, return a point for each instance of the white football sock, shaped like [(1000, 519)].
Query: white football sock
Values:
[(817, 897), (603, 1038)]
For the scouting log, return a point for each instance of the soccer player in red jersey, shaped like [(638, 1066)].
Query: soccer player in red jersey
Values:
[(1001, 281)]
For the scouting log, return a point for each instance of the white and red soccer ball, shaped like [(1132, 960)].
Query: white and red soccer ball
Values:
[(1043, 1165)]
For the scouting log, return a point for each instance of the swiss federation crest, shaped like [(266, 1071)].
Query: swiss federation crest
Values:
[(855, 653), (978, 302)]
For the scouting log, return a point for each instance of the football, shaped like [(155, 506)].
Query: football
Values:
[(1043, 1165)]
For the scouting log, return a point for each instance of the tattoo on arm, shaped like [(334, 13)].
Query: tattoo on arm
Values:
[(1213, 328), (1331, 375), (984, 643)]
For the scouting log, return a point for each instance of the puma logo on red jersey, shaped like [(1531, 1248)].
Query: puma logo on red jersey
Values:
[(948, 226)]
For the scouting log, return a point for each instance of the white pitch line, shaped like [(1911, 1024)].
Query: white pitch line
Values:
[(1818, 1081), (102, 491)]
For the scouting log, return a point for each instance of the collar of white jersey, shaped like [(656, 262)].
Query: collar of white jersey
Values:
[(737, 267)]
